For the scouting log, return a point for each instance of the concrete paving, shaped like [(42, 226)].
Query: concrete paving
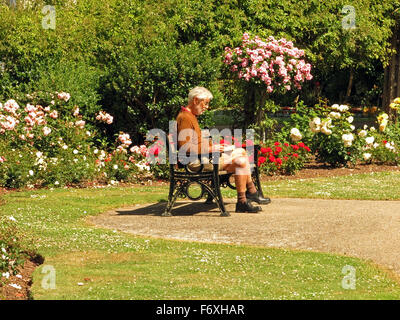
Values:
[(365, 229)]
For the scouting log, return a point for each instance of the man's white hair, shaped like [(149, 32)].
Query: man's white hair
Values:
[(200, 93)]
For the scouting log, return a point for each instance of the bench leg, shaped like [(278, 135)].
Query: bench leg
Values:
[(220, 202), (172, 198), (256, 180), (215, 193), (209, 199)]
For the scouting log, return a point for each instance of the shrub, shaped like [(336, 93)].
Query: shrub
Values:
[(147, 86), (15, 247), (44, 144), (334, 141), (50, 144), (300, 120), (381, 146), (283, 158)]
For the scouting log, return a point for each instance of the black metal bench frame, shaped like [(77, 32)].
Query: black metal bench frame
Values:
[(181, 178)]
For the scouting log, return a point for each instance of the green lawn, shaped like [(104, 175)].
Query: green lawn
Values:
[(94, 263), (368, 186)]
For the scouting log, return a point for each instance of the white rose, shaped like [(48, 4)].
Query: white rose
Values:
[(369, 140), (350, 119), (295, 134), (325, 130), (347, 139), (363, 133), (335, 115), (366, 156)]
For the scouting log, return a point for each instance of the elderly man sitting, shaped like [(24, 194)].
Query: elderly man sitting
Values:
[(190, 138)]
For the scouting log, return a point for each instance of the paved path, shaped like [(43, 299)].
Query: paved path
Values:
[(364, 229)]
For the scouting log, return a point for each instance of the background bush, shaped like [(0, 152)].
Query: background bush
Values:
[(137, 59)]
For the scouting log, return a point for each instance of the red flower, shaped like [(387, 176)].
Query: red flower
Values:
[(307, 148), (156, 151), (271, 158), (286, 144), (384, 141), (278, 149), (295, 155), (276, 143), (279, 161), (261, 160), (301, 144), (285, 158), (295, 147), (264, 150)]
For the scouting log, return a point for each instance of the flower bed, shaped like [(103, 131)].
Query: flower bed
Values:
[(49, 143)]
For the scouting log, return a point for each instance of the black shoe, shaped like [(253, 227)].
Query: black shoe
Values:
[(247, 207), (257, 198)]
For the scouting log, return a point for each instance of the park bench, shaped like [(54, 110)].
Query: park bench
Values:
[(182, 178)]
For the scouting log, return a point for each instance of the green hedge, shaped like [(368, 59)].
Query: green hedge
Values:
[(137, 59)]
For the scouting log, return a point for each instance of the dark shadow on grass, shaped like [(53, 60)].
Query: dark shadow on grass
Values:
[(181, 208)]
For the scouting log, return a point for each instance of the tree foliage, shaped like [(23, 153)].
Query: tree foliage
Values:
[(140, 57)]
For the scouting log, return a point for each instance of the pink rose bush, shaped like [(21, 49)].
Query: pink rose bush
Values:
[(49, 143), (275, 63)]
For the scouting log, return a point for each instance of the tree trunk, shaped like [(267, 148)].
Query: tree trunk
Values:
[(349, 86), (391, 87), (255, 109), (261, 97), (249, 107)]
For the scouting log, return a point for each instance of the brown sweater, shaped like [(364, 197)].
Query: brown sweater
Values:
[(192, 135)]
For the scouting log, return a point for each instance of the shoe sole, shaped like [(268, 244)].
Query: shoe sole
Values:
[(260, 202), (247, 211)]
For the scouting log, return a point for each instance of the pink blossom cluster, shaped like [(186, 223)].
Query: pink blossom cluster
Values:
[(80, 124), (30, 116), (8, 115), (10, 106), (63, 96), (104, 117), (139, 150), (76, 111), (7, 123), (35, 115), (276, 63), (125, 140)]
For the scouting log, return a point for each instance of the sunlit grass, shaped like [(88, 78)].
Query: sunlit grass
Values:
[(368, 186), (95, 263)]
